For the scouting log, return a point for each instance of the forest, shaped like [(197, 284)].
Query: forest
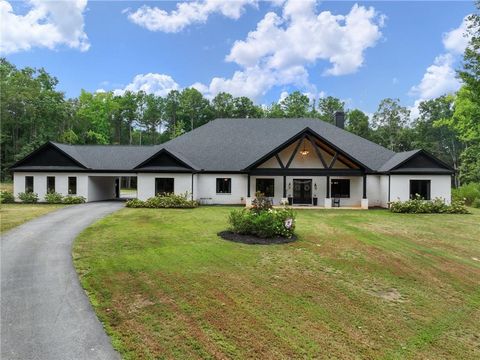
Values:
[(34, 111)]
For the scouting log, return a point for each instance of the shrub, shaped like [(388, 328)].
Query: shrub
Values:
[(53, 198), (28, 197), (6, 197), (70, 199), (135, 203), (261, 203), (476, 203), (467, 193), (265, 224), (164, 201), (435, 206)]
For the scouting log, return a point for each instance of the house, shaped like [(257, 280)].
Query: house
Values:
[(304, 161)]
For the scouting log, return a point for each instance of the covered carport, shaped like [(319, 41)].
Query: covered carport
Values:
[(106, 187)]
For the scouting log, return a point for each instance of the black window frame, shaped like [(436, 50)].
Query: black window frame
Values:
[(340, 188), (72, 184), (419, 187), (49, 187), (29, 188), (260, 186), (165, 188), (223, 185)]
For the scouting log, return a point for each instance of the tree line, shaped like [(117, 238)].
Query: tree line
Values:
[(33, 111)]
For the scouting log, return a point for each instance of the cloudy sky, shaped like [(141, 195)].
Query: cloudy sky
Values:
[(360, 52)]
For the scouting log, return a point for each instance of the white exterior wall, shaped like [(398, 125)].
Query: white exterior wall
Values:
[(146, 184), (384, 191), (207, 189), (374, 194), (40, 183), (440, 186)]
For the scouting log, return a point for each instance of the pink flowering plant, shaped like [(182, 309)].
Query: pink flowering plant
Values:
[(269, 223)]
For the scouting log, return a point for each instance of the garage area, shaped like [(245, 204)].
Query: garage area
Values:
[(111, 187)]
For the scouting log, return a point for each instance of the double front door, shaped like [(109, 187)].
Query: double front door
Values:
[(302, 191)]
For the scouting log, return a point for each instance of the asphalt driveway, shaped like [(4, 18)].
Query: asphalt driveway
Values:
[(45, 313)]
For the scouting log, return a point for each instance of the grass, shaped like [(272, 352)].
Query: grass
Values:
[(357, 284), (4, 186), (12, 215)]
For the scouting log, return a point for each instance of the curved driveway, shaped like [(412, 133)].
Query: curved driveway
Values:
[(45, 313)]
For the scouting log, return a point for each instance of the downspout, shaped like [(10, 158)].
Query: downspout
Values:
[(388, 204), (192, 187)]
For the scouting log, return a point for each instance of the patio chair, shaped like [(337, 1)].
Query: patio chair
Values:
[(336, 203)]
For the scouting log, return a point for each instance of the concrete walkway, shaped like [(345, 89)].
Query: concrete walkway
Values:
[(45, 313)]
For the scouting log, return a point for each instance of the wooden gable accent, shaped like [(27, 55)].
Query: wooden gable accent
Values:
[(320, 156), (48, 155)]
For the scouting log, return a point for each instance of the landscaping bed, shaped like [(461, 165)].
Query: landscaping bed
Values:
[(249, 239)]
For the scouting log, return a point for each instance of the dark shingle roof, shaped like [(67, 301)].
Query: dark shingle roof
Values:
[(397, 159), (233, 145), (108, 157)]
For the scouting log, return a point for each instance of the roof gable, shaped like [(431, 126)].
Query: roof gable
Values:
[(321, 154), (164, 160), (48, 155), (421, 161)]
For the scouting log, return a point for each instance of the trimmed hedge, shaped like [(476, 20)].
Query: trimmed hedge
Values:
[(28, 197), (164, 201), (435, 206), (6, 197)]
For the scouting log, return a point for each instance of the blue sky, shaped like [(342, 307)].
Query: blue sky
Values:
[(397, 49)]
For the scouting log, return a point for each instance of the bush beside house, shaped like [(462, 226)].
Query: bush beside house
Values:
[(435, 206), (164, 201), (470, 193), (6, 197)]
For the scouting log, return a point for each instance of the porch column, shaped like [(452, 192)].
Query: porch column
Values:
[(364, 197), (248, 186), (328, 201), (248, 200), (284, 186)]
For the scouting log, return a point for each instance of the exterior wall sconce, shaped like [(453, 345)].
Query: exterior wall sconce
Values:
[(289, 185), (315, 186)]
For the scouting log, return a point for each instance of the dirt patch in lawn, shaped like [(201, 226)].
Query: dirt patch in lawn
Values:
[(252, 240)]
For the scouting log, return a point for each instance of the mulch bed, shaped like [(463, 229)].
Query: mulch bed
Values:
[(250, 239)]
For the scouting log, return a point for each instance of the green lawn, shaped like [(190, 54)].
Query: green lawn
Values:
[(357, 284), (12, 215)]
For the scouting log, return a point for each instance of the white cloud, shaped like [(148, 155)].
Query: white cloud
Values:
[(439, 79), (186, 13), (279, 50), (151, 83), (301, 37), (457, 39), (47, 24)]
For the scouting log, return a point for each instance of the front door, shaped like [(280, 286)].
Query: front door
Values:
[(302, 191)]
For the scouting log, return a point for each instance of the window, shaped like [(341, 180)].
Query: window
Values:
[(420, 188), (224, 185), (50, 184), (28, 184), (340, 188), (266, 186), (163, 186), (72, 185)]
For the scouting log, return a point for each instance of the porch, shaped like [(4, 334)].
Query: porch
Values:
[(311, 192)]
